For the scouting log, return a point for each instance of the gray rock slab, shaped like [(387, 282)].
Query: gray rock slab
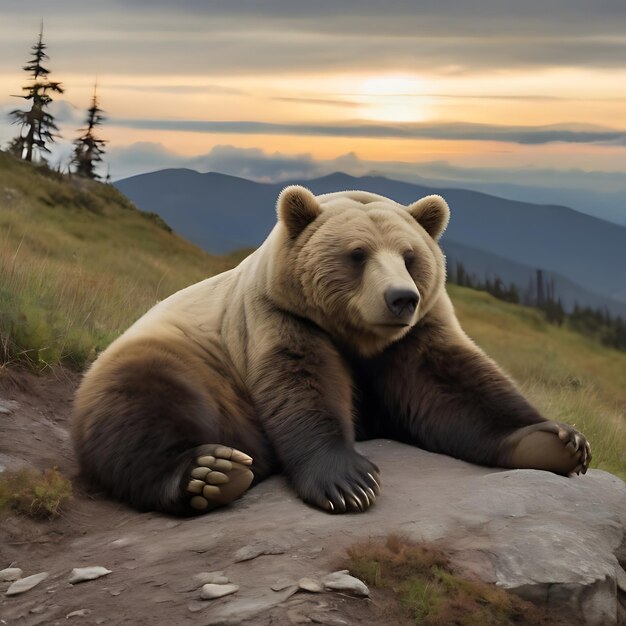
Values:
[(544, 536)]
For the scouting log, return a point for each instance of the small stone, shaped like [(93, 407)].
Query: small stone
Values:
[(79, 613), (327, 619), (296, 617), (8, 406), (208, 578), (252, 551), (81, 574), (38, 609), (310, 584), (10, 574), (342, 581), (283, 583), (211, 591), (196, 605), (25, 584)]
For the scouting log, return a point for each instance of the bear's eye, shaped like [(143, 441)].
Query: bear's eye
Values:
[(409, 257), (358, 255)]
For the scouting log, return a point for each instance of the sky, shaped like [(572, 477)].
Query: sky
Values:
[(529, 93)]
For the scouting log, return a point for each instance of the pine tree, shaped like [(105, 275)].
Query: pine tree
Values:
[(38, 127), (88, 149)]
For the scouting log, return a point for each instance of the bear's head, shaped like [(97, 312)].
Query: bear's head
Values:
[(362, 267)]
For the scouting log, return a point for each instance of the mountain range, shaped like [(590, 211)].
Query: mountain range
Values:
[(492, 236)]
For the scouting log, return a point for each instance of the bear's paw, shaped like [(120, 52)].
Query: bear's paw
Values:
[(339, 482), (217, 476), (551, 446)]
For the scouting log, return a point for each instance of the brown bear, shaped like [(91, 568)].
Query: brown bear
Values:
[(338, 327)]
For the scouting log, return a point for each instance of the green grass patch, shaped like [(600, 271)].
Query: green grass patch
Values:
[(40, 495), (423, 586), (79, 264)]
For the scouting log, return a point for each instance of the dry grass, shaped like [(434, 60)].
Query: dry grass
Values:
[(423, 587), (78, 264), (40, 495)]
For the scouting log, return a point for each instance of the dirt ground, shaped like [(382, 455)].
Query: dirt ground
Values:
[(152, 557), (269, 536)]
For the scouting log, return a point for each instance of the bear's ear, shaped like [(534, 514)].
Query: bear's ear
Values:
[(432, 214), (297, 207)]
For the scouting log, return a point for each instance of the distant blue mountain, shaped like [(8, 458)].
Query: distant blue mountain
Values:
[(512, 239)]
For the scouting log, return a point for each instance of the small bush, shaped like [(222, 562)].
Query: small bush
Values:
[(40, 495), (426, 589)]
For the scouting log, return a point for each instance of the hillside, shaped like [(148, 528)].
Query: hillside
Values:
[(584, 255), (79, 263)]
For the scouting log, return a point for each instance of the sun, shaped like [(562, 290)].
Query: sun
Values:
[(393, 98)]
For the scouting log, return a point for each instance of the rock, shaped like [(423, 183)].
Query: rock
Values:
[(529, 531), (81, 574), (196, 606), (211, 591), (38, 610), (79, 613), (26, 584), (240, 610), (297, 617), (327, 619), (310, 584), (342, 581), (283, 583), (8, 406), (252, 551), (10, 573), (206, 578)]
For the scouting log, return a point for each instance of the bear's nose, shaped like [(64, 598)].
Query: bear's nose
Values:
[(402, 302)]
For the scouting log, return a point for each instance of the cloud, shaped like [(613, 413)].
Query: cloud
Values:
[(598, 193), (532, 135), (178, 89), (257, 164), (320, 101), (238, 37)]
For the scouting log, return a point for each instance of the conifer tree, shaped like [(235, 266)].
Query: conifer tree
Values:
[(88, 149), (38, 127)]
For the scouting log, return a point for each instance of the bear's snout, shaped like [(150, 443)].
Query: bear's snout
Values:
[(402, 302)]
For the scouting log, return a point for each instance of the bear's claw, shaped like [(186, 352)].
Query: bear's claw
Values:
[(352, 486), (219, 477)]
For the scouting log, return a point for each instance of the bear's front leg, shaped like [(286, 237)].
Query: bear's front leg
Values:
[(441, 392), (303, 392)]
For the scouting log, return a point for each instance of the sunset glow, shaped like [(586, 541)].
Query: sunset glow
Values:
[(376, 83)]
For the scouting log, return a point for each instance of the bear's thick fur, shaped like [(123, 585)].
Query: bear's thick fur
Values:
[(338, 327)]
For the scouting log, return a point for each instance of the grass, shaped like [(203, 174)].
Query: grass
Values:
[(79, 263), (418, 582), (40, 495)]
